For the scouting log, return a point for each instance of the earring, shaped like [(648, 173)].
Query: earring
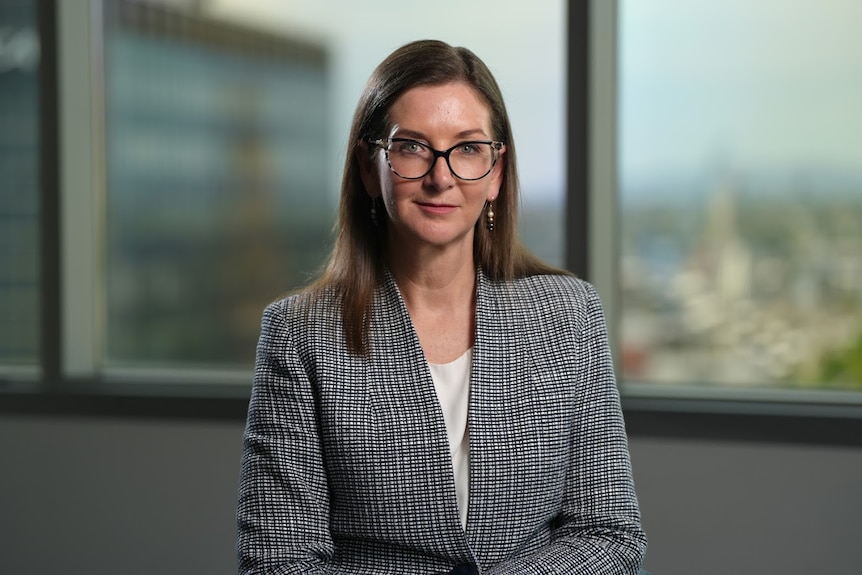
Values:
[(374, 212), (489, 217)]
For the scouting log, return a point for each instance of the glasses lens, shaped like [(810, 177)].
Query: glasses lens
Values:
[(471, 160), (467, 160), (410, 159)]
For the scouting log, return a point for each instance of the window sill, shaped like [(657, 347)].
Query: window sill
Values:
[(719, 420), (163, 400), (748, 421)]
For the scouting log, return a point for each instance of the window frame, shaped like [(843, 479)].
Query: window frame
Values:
[(70, 385), (69, 378)]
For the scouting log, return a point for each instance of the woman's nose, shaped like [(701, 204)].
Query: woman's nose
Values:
[(441, 176)]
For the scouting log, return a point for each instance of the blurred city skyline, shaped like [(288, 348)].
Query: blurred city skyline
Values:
[(740, 182)]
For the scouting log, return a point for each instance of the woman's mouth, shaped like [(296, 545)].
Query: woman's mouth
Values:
[(436, 209)]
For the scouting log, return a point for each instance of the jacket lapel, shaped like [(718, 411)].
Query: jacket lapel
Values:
[(499, 376), (409, 408)]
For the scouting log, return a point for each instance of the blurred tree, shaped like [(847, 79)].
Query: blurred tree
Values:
[(842, 368)]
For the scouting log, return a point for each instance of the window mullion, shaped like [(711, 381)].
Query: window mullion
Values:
[(79, 224)]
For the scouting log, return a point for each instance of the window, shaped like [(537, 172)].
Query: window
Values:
[(740, 199), (216, 196), (150, 172), (19, 187), (218, 139)]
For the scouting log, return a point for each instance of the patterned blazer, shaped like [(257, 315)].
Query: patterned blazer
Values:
[(346, 466)]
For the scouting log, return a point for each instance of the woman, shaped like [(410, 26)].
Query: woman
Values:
[(438, 401)]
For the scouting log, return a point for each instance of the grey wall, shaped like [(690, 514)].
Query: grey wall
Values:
[(98, 496), (102, 496), (714, 508)]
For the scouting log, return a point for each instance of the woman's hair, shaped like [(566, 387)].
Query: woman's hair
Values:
[(357, 262)]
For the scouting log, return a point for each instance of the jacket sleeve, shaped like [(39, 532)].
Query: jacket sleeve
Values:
[(283, 505), (599, 530)]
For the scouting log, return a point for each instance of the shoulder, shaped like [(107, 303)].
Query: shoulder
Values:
[(304, 313), (566, 286), (542, 290), (545, 302)]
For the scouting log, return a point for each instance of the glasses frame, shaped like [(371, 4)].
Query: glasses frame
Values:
[(385, 143)]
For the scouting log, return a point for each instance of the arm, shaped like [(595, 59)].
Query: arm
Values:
[(283, 510), (599, 529)]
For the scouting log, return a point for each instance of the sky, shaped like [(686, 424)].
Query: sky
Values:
[(763, 85), (523, 43)]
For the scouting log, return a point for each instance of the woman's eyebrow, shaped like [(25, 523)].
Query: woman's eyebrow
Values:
[(401, 133), (470, 133)]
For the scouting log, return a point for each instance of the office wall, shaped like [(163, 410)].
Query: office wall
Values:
[(102, 496), (149, 496), (713, 508)]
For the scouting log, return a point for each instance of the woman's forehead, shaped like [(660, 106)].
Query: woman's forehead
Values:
[(455, 108)]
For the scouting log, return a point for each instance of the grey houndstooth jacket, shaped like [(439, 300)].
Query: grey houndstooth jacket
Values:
[(346, 466)]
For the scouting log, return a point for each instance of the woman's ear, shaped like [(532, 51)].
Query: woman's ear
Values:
[(496, 176), (367, 168)]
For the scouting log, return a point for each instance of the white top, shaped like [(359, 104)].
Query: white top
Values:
[(452, 383)]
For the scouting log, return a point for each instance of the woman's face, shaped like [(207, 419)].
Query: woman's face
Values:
[(438, 210)]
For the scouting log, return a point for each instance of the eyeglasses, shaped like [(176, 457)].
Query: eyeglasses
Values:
[(414, 160)]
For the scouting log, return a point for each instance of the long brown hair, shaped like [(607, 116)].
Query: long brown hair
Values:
[(357, 262)]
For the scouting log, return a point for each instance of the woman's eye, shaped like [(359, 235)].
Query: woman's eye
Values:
[(467, 149), (410, 148)]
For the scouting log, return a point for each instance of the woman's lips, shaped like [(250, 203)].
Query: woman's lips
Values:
[(436, 209)]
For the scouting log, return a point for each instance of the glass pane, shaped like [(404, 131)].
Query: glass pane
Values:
[(741, 193), (19, 184), (225, 140), (216, 199)]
